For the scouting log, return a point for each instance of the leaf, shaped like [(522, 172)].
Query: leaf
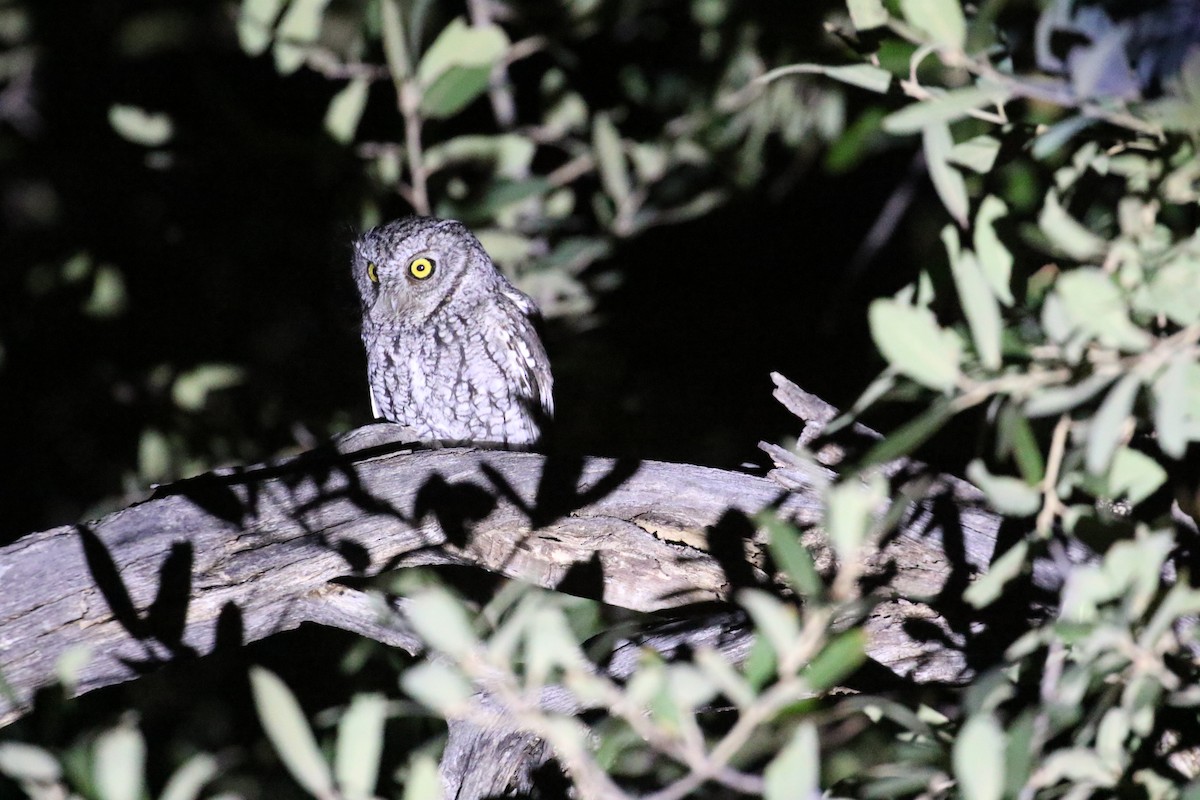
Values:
[(724, 676), (947, 180), (254, 24), (989, 586), (423, 782), (1174, 291), (1107, 426), (187, 782), (120, 763), (1067, 234), (395, 50), (795, 771), (437, 685), (979, 759), (791, 555), (287, 728), (867, 14), (440, 620), (994, 258), (911, 341), (978, 303), (1094, 305), (191, 389), (359, 745), (27, 763), (977, 154), (458, 65), (864, 76), (943, 108), (837, 660), (1134, 475), (911, 435), (1010, 496), (850, 508), (1171, 406), (1015, 437), (299, 28), (137, 125), (345, 110), (774, 620), (610, 160), (1058, 399), (942, 20)]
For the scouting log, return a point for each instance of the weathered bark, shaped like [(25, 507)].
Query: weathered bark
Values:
[(235, 556)]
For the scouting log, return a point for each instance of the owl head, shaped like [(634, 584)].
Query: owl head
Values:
[(411, 268)]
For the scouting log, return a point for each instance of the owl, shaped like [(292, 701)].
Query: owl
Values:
[(452, 353)]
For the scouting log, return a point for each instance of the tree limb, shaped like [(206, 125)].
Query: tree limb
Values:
[(237, 555)]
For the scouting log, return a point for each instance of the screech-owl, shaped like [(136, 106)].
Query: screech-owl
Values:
[(452, 352)]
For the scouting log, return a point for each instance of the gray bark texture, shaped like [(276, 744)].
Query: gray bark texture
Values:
[(239, 554)]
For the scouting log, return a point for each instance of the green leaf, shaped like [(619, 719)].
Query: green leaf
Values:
[(1058, 399), (458, 65), (791, 555), (610, 159), (911, 341), (979, 759), (989, 586), (359, 745), (795, 772), (994, 258), (776, 621), (978, 303), (437, 685), (943, 108), (867, 14), (1095, 306), (1174, 291), (137, 125), (120, 763), (837, 660), (345, 110), (287, 728), (423, 782), (850, 508), (395, 50), (1068, 234), (191, 389), (724, 676), (440, 620), (977, 154), (1134, 475), (254, 24), (864, 76), (299, 28), (1171, 406), (941, 20), (27, 763), (1107, 426), (911, 435), (947, 180), (1010, 496), (1015, 437), (189, 780), (549, 644)]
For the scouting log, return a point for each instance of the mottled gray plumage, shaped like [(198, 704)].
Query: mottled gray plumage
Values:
[(452, 355)]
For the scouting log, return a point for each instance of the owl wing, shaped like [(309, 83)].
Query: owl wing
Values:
[(523, 359)]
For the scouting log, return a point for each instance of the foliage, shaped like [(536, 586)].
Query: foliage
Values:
[(1061, 322)]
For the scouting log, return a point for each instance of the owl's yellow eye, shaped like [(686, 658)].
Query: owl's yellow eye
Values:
[(421, 268), (372, 274)]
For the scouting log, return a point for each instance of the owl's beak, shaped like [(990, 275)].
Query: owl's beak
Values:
[(388, 304)]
